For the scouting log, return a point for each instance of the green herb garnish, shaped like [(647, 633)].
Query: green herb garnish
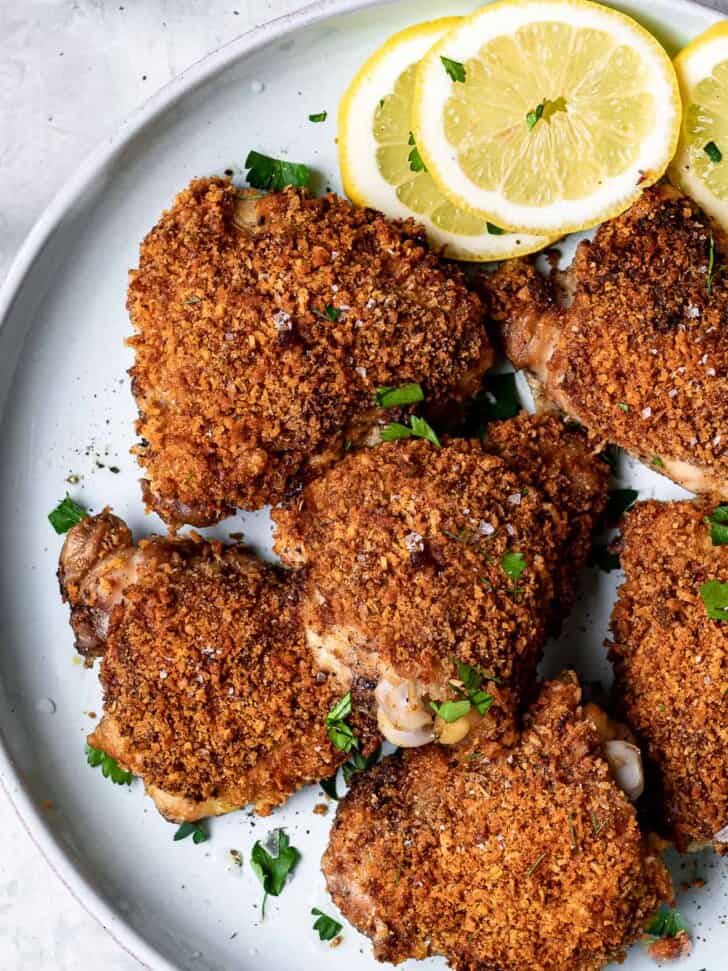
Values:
[(455, 69), (610, 455), (360, 763), (715, 598), (271, 870), (470, 694), (66, 514), (405, 394), (718, 521), (534, 866), (341, 735), (414, 158), (275, 174), (329, 786), (713, 152), (623, 406), (327, 927), (619, 502), (319, 116), (713, 270), (657, 462), (494, 230), (535, 116), (513, 565), (667, 923), (602, 557), (596, 825), (450, 711), (419, 428), (333, 313), (198, 833), (497, 401), (110, 768)]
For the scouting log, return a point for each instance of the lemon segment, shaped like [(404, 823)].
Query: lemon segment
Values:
[(378, 156), (568, 109), (700, 168)]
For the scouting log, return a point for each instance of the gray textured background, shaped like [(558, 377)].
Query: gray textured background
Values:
[(69, 71)]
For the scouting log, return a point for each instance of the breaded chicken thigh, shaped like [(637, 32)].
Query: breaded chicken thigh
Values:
[(531, 859), (633, 340), (264, 326), (210, 693), (671, 663), (419, 559)]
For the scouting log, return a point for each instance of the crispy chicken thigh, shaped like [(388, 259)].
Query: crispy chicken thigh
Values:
[(633, 340), (418, 558), (263, 327), (210, 693), (671, 664), (529, 859)]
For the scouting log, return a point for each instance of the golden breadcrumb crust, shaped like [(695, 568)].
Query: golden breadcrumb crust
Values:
[(244, 383), (532, 860), (209, 691), (405, 543), (641, 355), (671, 662)]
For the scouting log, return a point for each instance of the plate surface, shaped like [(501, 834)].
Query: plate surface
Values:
[(66, 409)]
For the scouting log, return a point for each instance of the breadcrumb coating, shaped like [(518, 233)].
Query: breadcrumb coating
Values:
[(404, 544), (260, 342), (533, 859), (210, 693), (640, 356), (671, 663)]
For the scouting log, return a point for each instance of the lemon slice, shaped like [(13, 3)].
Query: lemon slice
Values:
[(567, 110), (376, 153), (700, 167)]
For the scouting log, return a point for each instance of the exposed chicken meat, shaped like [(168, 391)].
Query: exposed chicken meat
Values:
[(640, 355)]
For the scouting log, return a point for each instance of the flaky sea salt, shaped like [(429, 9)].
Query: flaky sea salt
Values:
[(414, 542), (282, 321), (647, 412)]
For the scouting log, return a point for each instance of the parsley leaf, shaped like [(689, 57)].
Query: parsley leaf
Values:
[(470, 694), (414, 158), (405, 394), (713, 152), (718, 521), (619, 502), (657, 462), (275, 174), (450, 711), (341, 735), (455, 69), (327, 927), (329, 786), (319, 116), (713, 270), (494, 230), (667, 923), (418, 429), (197, 831), (110, 768), (534, 116), (333, 313), (623, 406), (272, 871), (610, 455), (360, 763), (715, 598), (513, 566), (66, 514), (497, 401)]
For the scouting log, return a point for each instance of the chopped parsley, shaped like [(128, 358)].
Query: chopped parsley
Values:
[(610, 455), (602, 557), (513, 566), (533, 117), (272, 871), (494, 230), (657, 462), (327, 927), (333, 313), (450, 711), (66, 514), (596, 825), (497, 401), (666, 923), (329, 786), (414, 158), (110, 768), (340, 734), (455, 69), (469, 690), (357, 763), (713, 270), (623, 406), (198, 833), (619, 502), (405, 394), (718, 521), (275, 174), (713, 152), (534, 866), (319, 116), (418, 428), (715, 598)]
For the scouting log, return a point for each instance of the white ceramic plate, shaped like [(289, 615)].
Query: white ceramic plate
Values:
[(65, 408)]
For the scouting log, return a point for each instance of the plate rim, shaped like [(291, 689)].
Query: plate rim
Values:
[(30, 816)]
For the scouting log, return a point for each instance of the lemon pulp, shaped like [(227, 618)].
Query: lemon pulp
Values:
[(706, 121)]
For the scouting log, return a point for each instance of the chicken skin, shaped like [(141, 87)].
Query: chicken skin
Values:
[(671, 663), (210, 693), (419, 560), (530, 859), (633, 340), (264, 326)]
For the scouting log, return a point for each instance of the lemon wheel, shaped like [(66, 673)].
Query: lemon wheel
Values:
[(546, 116), (379, 160)]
